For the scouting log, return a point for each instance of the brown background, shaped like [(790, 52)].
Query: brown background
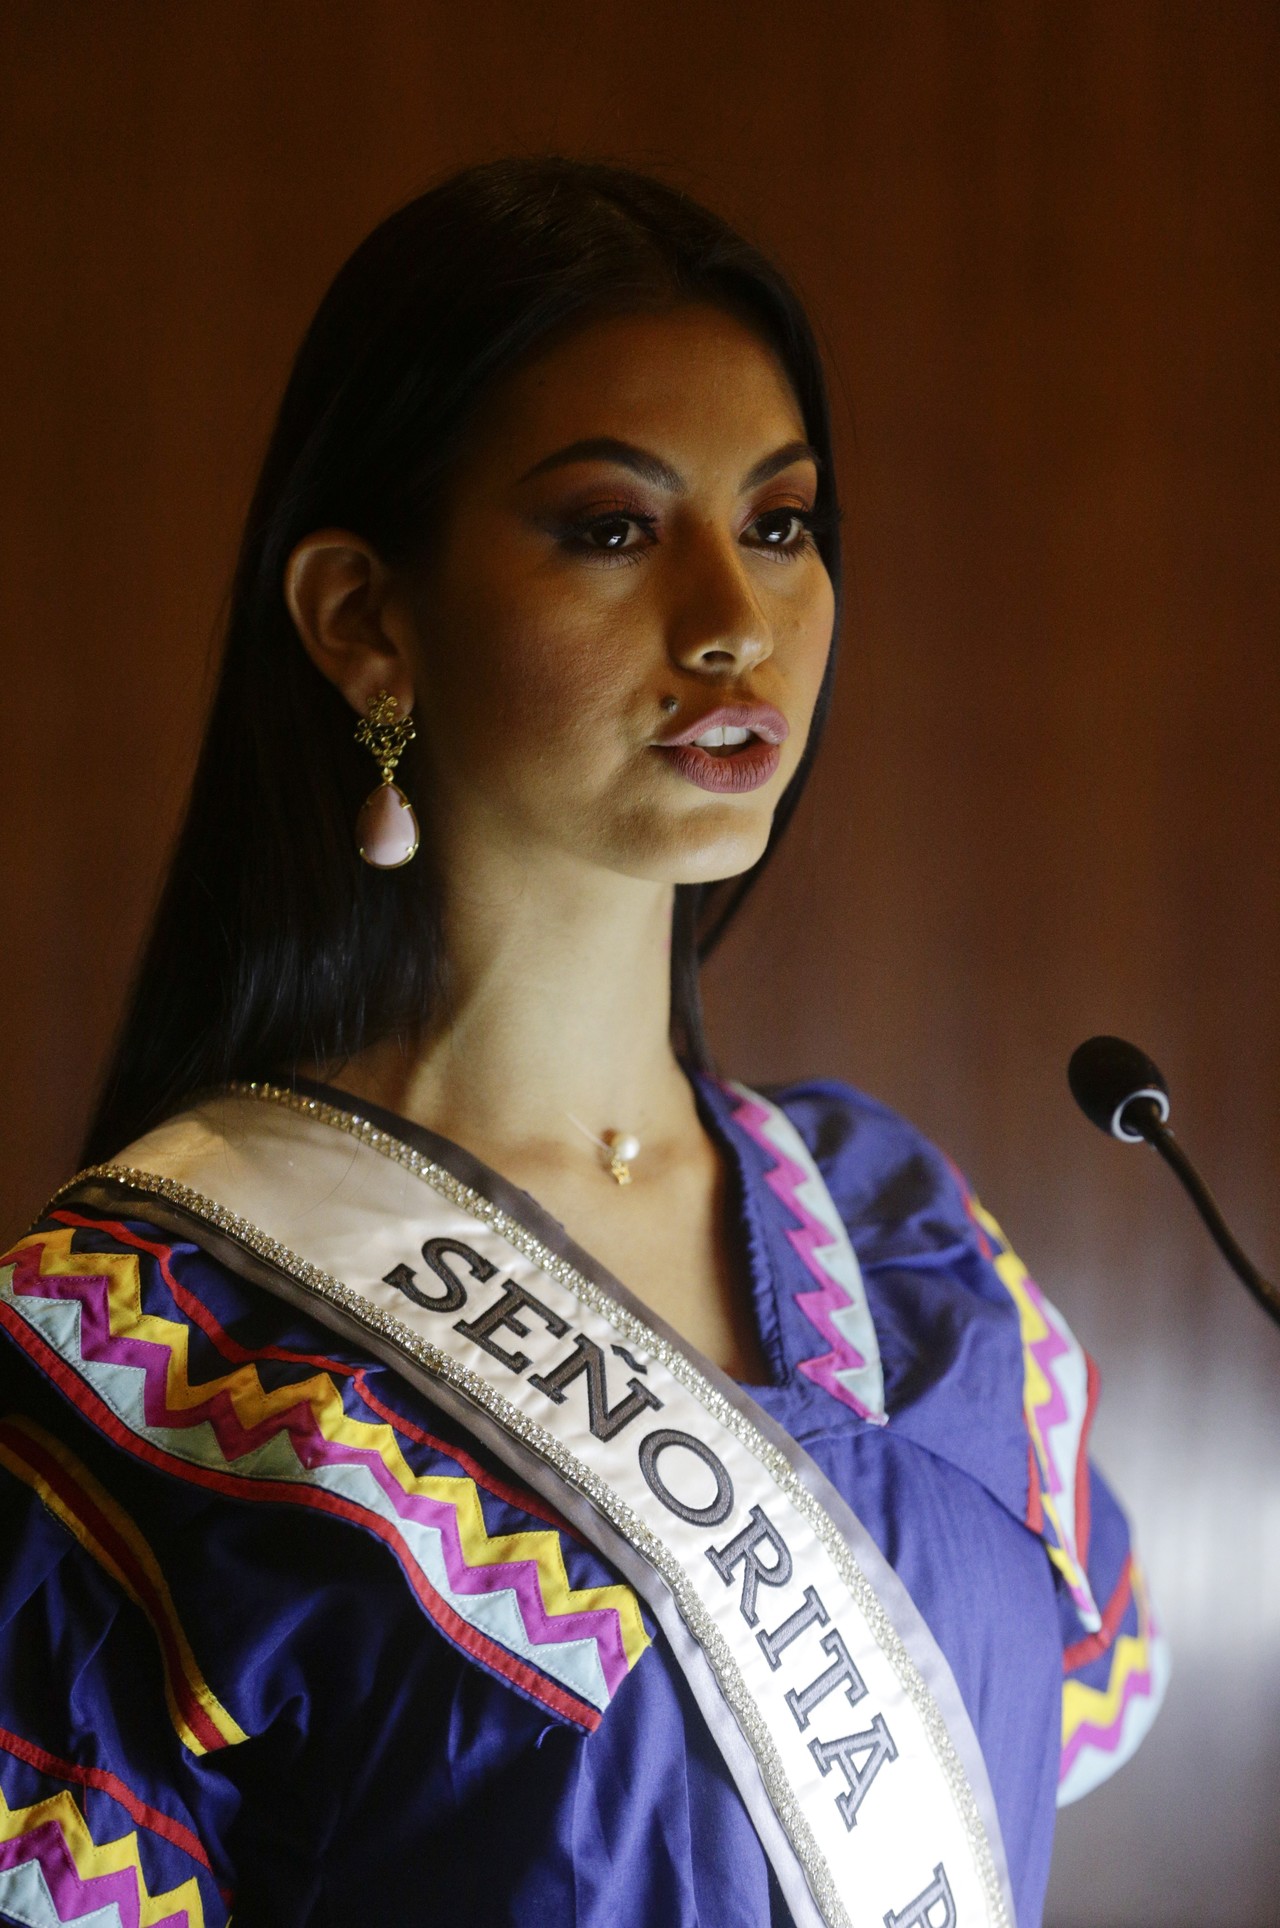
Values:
[(1042, 243)]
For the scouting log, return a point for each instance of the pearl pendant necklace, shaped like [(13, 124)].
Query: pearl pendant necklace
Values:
[(621, 1149)]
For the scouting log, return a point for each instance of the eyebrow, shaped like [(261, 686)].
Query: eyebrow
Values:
[(651, 468), (781, 459)]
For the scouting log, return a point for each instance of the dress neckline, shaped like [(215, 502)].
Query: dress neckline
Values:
[(750, 1255)]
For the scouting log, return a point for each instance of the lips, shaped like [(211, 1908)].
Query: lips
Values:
[(761, 719), (737, 766)]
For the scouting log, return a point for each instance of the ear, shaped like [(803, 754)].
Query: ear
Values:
[(354, 624)]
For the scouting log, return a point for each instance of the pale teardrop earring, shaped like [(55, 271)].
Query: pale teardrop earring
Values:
[(386, 829)]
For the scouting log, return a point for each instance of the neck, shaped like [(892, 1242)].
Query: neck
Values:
[(555, 1023)]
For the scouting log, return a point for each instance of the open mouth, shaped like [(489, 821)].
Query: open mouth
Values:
[(735, 749), (724, 737)]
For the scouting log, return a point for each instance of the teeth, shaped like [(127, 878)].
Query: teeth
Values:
[(723, 737)]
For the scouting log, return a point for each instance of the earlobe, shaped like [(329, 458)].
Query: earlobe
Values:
[(349, 620)]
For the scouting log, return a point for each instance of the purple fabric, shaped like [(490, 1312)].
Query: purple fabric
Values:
[(72, 1894), (389, 1777)]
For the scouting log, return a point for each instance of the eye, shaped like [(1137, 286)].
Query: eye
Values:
[(617, 533), (784, 531), (612, 532)]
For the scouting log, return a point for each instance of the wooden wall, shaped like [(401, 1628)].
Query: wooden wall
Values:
[(1042, 242)]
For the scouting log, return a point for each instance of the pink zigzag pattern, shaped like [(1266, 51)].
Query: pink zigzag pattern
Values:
[(313, 1450), (784, 1181), (75, 1895), (1105, 1740), (1100, 1739), (1051, 1413), (1054, 1411)]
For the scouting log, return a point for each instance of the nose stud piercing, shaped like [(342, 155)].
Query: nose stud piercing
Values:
[(671, 704)]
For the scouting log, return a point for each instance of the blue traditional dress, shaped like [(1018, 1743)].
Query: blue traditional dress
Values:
[(232, 1683)]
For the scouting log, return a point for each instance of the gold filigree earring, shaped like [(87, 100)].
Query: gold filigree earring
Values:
[(386, 829)]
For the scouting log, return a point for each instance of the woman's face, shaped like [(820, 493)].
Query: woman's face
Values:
[(627, 564)]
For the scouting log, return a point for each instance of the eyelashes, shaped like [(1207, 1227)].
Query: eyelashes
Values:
[(609, 535), (787, 531), (624, 534)]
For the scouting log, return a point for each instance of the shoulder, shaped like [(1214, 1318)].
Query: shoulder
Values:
[(179, 1389), (979, 1366), (897, 1193)]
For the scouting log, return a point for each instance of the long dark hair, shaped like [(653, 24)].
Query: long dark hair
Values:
[(272, 944)]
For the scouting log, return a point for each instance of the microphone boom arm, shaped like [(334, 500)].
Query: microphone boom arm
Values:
[(1143, 1116)]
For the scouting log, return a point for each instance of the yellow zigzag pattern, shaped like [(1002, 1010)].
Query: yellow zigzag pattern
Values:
[(253, 1404), (1036, 1390), (159, 1608), (113, 1857), (1101, 1706)]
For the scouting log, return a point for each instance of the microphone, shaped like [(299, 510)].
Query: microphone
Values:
[(1123, 1093)]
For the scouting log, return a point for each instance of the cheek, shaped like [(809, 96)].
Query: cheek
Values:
[(565, 682), (528, 668), (807, 644)]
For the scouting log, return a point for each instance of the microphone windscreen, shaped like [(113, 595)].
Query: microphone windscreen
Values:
[(1105, 1074)]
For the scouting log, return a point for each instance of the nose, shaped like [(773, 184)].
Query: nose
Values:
[(717, 625)]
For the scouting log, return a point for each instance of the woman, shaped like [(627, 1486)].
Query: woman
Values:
[(391, 1535)]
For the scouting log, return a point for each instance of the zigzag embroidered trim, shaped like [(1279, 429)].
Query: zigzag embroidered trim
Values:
[(1059, 1390), (52, 1870), (114, 1542), (569, 1648), (152, 1820), (1103, 1726), (605, 1501), (851, 1371)]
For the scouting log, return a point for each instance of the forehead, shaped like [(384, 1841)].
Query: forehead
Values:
[(691, 381)]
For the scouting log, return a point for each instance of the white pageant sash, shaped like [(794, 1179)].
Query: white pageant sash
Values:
[(835, 1711)]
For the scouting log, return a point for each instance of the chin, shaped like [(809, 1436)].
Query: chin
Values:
[(704, 852), (716, 867)]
